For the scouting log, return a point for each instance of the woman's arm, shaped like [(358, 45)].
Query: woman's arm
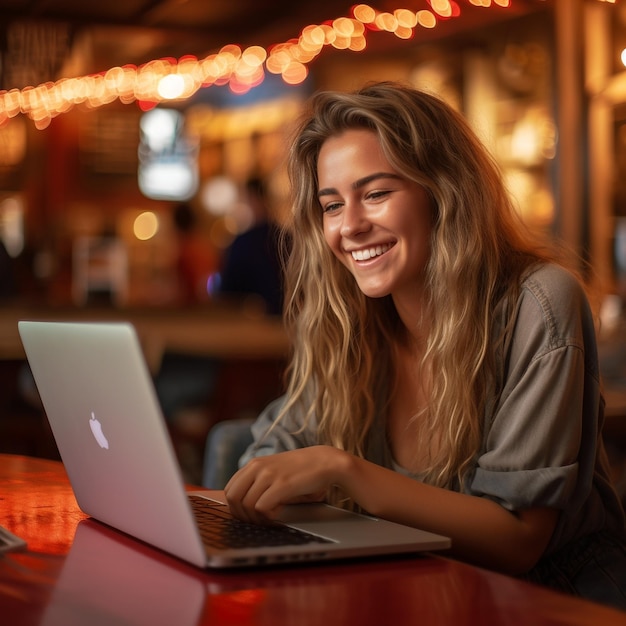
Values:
[(482, 531)]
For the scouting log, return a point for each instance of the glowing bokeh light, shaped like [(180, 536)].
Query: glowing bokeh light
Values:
[(145, 226), (171, 87), (441, 7), (167, 79)]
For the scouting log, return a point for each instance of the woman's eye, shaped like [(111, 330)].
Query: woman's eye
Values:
[(331, 206), (376, 195)]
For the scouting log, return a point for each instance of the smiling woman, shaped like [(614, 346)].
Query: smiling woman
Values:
[(442, 362)]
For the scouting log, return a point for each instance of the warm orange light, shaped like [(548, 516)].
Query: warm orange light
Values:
[(145, 226), (295, 73), (344, 27), (165, 79), (441, 7), (405, 18), (312, 40), (364, 13), (426, 19), (254, 56), (386, 21), (358, 44)]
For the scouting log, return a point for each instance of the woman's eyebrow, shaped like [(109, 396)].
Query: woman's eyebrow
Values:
[(357, 184)]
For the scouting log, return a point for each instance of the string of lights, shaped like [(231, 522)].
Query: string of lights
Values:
[(240, 69)]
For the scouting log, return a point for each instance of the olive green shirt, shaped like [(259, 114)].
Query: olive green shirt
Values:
[(542, 444)]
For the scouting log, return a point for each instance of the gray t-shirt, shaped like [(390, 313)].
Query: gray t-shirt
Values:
[(541, 443)]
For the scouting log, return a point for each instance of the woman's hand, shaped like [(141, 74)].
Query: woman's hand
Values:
[(485, 533), (258, 490)]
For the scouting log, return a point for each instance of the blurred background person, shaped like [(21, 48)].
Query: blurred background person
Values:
[(252, 263), (197, 258)]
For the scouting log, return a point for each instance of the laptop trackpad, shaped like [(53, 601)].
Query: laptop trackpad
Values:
[(317, 512), (330, 522)]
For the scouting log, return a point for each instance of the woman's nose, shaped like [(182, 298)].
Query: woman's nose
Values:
[(354, 220)]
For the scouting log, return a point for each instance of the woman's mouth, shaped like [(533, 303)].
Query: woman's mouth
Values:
[(365, 254)]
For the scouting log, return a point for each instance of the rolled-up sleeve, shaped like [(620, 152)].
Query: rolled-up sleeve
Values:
[(531, 453), (539, 440)]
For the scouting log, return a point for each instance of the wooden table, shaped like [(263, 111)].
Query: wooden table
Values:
[(78, 572), (218, 331)]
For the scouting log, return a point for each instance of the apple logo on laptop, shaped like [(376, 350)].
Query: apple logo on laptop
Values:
[(96, 429)]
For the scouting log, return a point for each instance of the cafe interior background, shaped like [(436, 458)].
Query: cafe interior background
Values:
[(114, 114)]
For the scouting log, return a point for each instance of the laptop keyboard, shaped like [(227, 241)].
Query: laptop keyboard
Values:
[(219, 529)]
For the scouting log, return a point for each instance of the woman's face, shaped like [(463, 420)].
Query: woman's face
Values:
[(377, 223)]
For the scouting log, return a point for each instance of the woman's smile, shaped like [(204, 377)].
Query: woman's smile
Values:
[(371, 252)]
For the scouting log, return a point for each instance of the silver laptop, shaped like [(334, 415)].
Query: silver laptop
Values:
[(100, 401)]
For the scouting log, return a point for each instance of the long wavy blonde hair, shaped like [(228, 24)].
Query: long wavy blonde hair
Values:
[(341, 373)]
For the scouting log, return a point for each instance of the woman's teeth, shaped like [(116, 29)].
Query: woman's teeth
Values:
[(370, 253)]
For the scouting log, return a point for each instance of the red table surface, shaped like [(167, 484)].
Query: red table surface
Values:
[(77, 571)]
